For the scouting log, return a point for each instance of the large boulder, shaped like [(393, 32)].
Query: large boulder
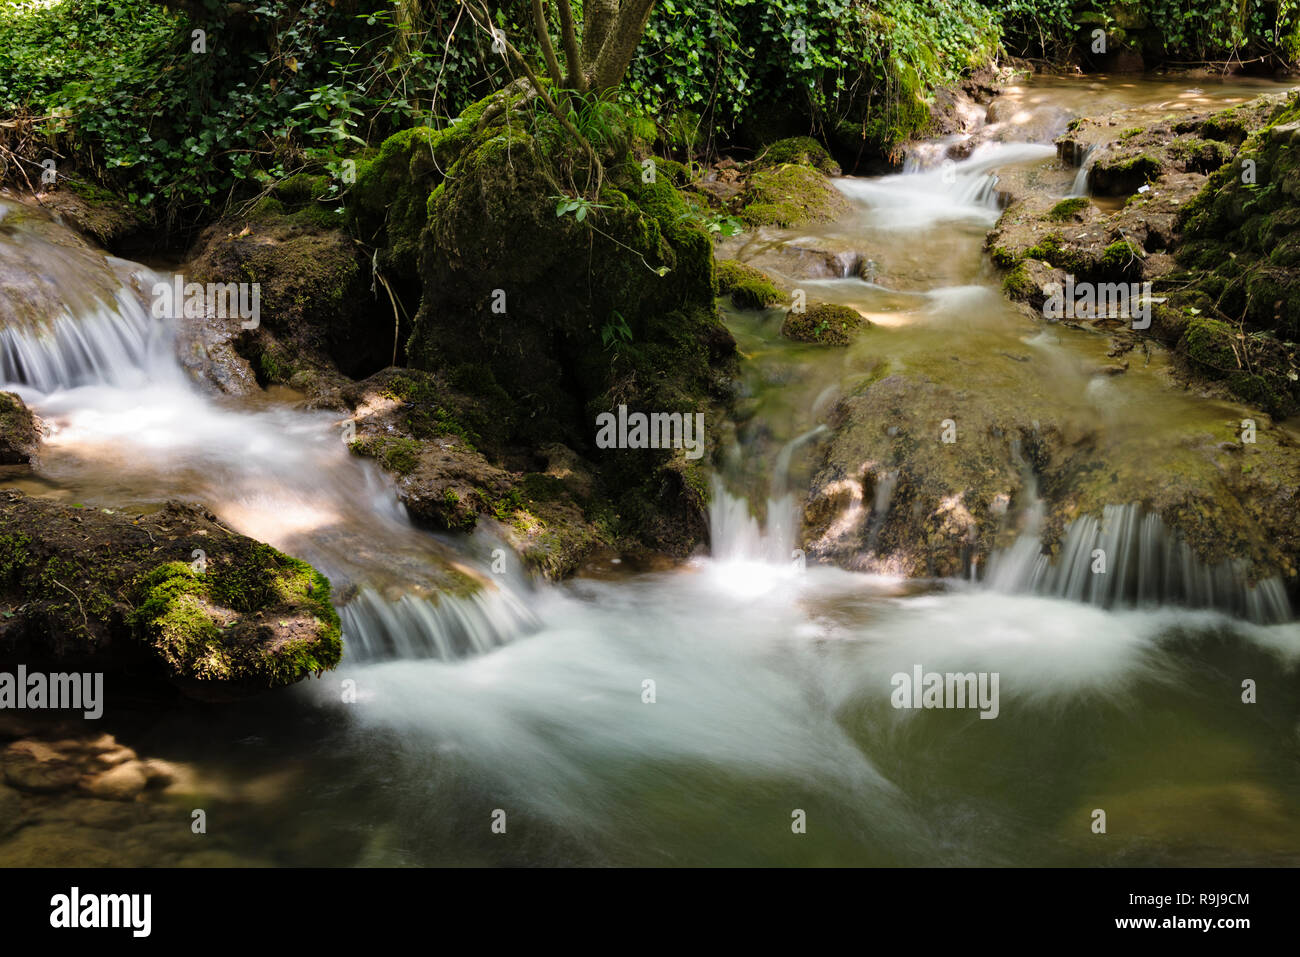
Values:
[(318, 310), (170, 595), (552, 290)]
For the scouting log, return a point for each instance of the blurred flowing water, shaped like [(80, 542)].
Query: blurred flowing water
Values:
[(685, 717)]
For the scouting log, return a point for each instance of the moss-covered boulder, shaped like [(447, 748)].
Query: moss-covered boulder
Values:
[(800, 150), (550, 504), (549, 303), (93, 211), (316, 307), (827, 324), (748, 288), (1240, 294), (789, 196), (169, 595)]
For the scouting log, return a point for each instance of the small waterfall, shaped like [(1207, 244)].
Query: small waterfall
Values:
[(1080, 186), (737, 535), (446, 627), (111, 345), (1129, 558), (952, 190), (78, 339)]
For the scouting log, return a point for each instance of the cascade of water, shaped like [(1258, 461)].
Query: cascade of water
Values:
[(1129, 558), (446, 627), (1080, 186), (953, 190), (87, 354), (736, 535), (111, 345)]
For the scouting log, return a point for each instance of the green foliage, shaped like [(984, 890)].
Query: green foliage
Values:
[(283, 87), (728, 61), (1185, 30)]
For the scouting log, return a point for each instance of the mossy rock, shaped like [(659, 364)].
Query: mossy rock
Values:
[(825, 324), (1122, 173), (547, 318), (749, 288), (1068, 209), (790, 196), (94, 211), (1121, 260), (314, 300), (169, 595), (800, 150), (1256, 371)]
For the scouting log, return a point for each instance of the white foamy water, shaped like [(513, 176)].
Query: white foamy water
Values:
[(126, 426)]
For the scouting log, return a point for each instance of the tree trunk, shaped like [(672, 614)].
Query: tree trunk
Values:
[(619, 45)]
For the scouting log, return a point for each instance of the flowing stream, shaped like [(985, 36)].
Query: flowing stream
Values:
[(771, 682)]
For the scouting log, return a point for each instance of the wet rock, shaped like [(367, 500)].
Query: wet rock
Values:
[(824, 324), (749, 288), (20, 434), (1032, 281), (30, 271), (104, 743), (92, 211), (316, 308), (124, 782), (115, 757), (36, 767), (891, 496), (103, 588), (160, 773), (429, 438)]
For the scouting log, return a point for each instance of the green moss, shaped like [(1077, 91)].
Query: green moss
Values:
[(395, 453), (749, 288), (1051, 249), (14, 559), (790, 196), (1017, 283), (1201, 156), (1122, 259), (1067, 209), (729, 272), (1003, 258), (539, 487), (1229, 124), (388, 205), (301, 188), (270, 369), (1210, 343), (801, 150), (755, 294), (196, 619), (427, 415)]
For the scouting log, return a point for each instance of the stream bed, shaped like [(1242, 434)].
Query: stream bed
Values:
[(692, 716)]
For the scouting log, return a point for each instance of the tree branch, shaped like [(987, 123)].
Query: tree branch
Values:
[(569, 128), (577, 75), (544, 39)]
